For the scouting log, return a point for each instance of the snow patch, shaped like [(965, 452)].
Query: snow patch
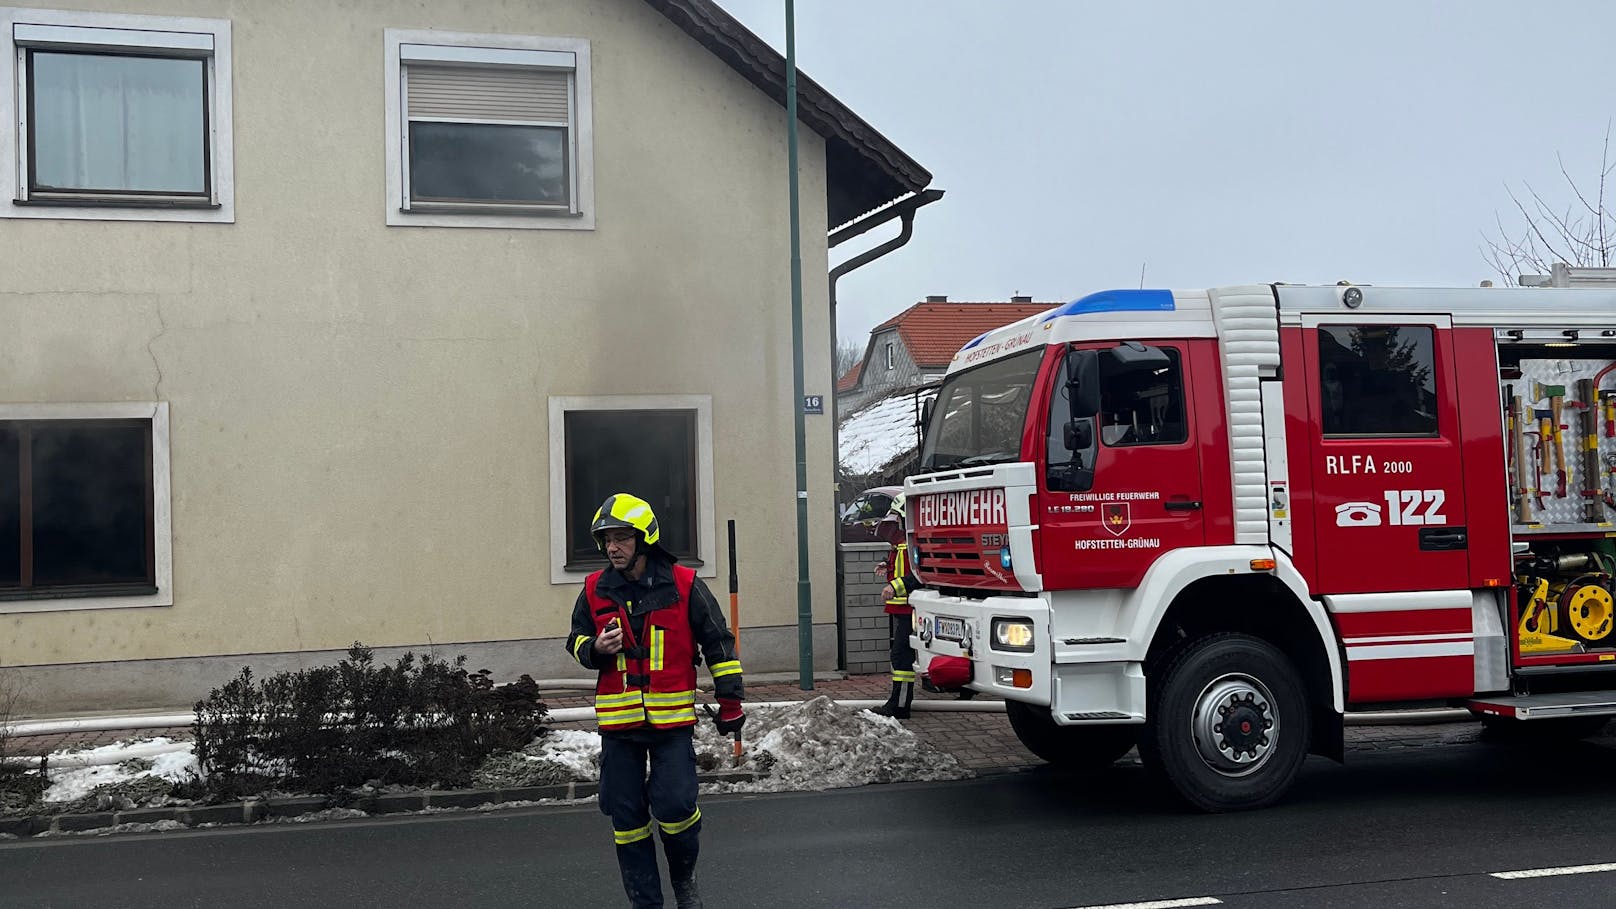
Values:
[(820, 744), (574, 749), (878, 434), (120, 762)]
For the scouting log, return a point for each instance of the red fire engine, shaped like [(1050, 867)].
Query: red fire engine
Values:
[(1211, 523)]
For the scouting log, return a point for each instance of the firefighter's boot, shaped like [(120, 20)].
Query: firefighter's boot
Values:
[(682, 849), (894, 704), (638, 863), (685, 894)]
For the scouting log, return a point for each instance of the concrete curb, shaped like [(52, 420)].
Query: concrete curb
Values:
[(251, 811)]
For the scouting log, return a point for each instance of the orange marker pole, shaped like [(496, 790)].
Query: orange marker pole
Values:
[(735, 619)]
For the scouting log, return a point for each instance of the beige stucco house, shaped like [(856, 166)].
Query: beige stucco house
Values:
[(326, 323)]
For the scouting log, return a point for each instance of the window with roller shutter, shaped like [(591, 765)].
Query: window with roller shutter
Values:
[(489, 131)]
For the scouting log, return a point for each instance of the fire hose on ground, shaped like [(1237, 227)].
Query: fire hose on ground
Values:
[(580, 714)]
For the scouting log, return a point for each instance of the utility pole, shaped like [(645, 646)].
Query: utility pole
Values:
[(805, 601)]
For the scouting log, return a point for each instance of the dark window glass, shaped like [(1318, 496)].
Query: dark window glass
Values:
[(124, 124), (1377, 380), (1143, 408), (75, 507), (481, 162), (10, 508), (648, 453), (90, 499)]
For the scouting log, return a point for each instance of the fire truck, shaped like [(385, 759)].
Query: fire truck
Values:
[(1210, 524)]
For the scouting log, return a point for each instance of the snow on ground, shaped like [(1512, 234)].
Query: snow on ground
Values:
[(820, 744), (877, 434), (574, 749), (75, 782)]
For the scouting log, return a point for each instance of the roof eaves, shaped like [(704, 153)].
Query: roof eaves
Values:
[(763, 66)]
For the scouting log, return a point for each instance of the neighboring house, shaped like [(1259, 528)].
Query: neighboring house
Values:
[(878, 400), (915, 347), (327, 323)]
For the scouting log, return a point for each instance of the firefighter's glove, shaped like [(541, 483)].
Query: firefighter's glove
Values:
[(731, 717)]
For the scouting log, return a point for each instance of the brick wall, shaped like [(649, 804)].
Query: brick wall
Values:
[(865, 631)]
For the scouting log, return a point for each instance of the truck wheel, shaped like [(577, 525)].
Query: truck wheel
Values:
[(1072, 747), (1540, 732), (1228, 723)]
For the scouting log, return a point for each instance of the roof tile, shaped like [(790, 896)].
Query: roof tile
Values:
[(934, 332)]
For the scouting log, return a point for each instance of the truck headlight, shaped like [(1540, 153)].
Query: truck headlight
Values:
[(1012, 634)]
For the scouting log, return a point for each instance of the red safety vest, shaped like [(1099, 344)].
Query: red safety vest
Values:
[(664, 694), (897, 568)]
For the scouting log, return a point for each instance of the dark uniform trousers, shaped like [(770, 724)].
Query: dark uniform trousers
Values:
[(631, 797)]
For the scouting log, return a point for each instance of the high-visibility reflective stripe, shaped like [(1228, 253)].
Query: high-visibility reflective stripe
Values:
[(681, 826), (670, 698), (903, 675), (624, 837), (578, 644), (900, 567), (622, 663), (613, 700), (728, 667), (657, 648), (669, 718), (620, 719)]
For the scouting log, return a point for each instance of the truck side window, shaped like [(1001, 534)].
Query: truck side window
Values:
[(1377, 380), (1143, 408)]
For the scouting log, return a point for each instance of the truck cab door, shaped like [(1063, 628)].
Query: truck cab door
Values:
[(1386, 471), (1145, 496)]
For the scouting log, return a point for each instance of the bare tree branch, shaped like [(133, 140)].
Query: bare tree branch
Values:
[(1582, 233)]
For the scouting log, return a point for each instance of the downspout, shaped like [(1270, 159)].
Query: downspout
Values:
[(905, 210)]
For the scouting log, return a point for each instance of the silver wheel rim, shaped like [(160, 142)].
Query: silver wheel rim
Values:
[(1234, 725)]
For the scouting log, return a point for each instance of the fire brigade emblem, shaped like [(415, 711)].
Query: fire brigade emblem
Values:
[(1116, 517)]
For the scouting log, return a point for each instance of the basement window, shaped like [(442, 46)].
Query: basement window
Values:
[(657, 447), (84, 519)]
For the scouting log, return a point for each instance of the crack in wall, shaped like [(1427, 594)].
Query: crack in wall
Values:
[(162, 329)]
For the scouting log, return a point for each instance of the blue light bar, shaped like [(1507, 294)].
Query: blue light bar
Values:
[(1116, 301)]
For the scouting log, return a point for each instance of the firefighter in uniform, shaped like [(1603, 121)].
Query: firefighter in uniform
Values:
[(644, 623), (901, 579)]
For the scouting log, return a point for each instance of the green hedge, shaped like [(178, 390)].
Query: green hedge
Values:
[(418, 722)]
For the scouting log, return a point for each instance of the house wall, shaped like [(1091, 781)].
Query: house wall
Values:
[(359, 422), (876, 380)]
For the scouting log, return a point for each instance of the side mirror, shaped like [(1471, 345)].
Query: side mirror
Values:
[(1083, 382), (1079, 435)]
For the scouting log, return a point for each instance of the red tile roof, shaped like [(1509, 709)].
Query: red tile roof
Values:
[(934, 332), (849, 379)]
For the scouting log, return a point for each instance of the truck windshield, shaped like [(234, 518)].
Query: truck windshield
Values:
[(980, 414)]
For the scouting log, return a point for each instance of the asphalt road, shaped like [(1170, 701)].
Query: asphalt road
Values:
[(1423, 827)]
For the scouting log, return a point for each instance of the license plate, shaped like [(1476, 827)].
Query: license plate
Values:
[(951, 629)]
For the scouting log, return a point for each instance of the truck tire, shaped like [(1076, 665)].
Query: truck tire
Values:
[(1200, 689), (1557, 730), (1071, 747)]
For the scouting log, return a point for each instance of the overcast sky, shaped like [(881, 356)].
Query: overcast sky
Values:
[(1210, 143)]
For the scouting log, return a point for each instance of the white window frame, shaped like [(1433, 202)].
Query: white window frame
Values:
[(706, 536), (891, 360), (115, 32), (162, 516), (491, 50)]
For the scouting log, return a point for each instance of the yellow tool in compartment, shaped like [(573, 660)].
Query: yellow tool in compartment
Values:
[(1539, 622)]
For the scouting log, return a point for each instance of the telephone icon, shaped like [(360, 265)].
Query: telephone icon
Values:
[(1357, 514)]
